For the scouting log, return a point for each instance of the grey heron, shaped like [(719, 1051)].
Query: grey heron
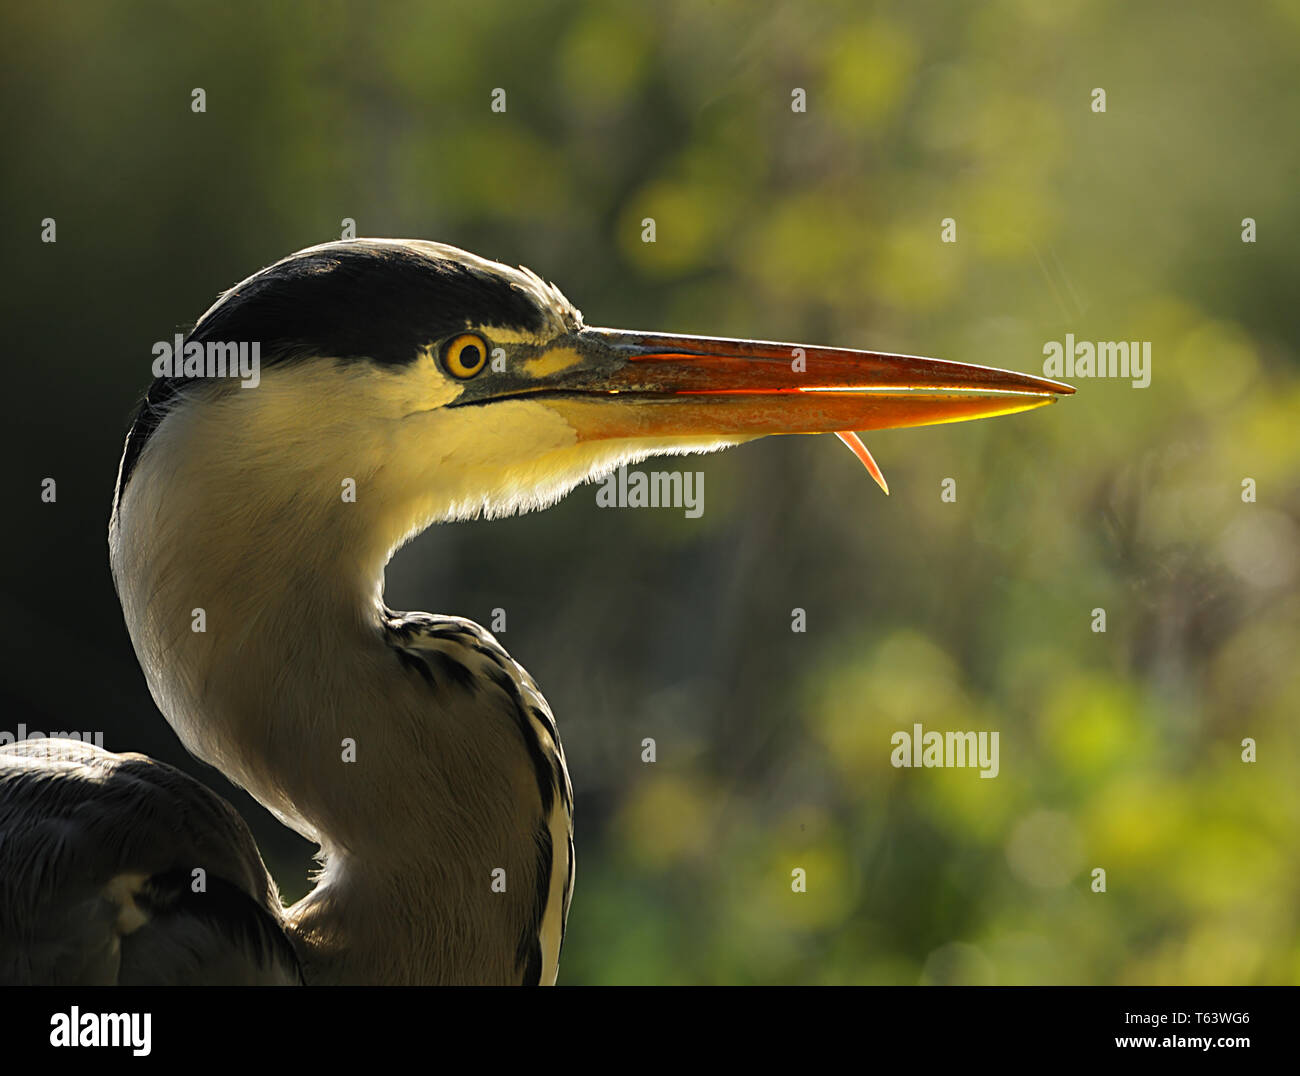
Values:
[(433, 385)]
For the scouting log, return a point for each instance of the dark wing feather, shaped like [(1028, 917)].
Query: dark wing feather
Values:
[(98, 883)]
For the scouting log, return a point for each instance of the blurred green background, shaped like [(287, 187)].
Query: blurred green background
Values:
[(1118, 750)]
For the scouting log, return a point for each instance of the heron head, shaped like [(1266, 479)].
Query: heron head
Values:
[(444, 385)]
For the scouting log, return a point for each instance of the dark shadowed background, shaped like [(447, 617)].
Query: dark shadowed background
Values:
[(1119, 750)]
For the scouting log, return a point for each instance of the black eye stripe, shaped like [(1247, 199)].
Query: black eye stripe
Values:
[(364, 301)]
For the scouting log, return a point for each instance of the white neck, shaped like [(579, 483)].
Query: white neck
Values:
[(236, 508), (293, 666)]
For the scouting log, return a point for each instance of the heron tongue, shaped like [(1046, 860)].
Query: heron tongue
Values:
[(856, 446)]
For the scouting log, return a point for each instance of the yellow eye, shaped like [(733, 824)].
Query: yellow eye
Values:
[(465, 355)]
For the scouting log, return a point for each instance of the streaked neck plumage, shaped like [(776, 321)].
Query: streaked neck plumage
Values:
[(266, 517), (282, 569)]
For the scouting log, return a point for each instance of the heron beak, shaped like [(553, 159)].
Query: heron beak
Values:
[(610, 384)]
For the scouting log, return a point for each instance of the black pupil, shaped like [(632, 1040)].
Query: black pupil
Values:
[(469, 356)]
